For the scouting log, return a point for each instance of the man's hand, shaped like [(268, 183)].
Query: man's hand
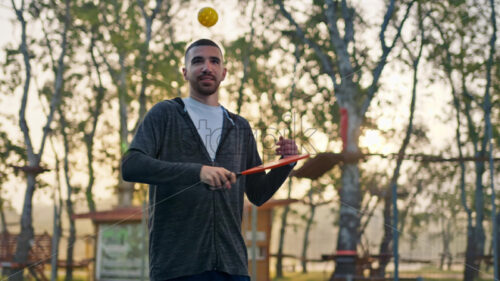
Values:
[(217, 177), (286, 147)]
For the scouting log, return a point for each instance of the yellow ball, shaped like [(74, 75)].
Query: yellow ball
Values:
[(207, 16)]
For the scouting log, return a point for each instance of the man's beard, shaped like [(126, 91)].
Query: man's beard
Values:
[(206, 91)]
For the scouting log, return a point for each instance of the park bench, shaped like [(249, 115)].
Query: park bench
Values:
[(364, 263), (39, 255)]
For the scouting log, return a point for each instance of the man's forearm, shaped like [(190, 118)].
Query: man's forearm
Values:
[(261, 187), (139, 167)]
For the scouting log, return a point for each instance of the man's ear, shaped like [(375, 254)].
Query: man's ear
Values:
[(184, 72), (224, 72)]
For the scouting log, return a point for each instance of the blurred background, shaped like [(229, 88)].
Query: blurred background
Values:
[(397, 102)]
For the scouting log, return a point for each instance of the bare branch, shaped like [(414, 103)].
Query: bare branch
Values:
[(385, 24), (89, 138), (456, 102), (377, 72), (15, 7), (347, 14), (369, 216), (246, 59), (113, 73), (24, 100), (156, 9), (47, 42), (58, 79), (325, 61), (143, 10), (344, 63), (143, 64)]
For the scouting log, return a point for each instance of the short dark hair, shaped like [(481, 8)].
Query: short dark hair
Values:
[(201, 42)]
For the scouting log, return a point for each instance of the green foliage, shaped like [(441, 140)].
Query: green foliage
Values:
[(9, 151), (87, 12), (10, 154)]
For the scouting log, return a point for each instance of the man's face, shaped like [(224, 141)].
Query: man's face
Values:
[(204, 69)]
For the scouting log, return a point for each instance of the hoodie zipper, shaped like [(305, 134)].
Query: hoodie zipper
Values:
[(223, 138), (214, 228), (212, 162), (214, 194)]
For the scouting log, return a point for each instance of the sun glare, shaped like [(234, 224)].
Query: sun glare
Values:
[(372, 140)]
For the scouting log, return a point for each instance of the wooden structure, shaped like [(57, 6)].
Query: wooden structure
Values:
[(39, 255), (263, 235), (364, 266), (363, 263), (115, 231)]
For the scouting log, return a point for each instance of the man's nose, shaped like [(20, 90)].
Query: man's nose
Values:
[(206, 68)]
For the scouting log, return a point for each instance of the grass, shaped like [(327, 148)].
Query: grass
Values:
[(428, 273), (311, 276), (78, 275)]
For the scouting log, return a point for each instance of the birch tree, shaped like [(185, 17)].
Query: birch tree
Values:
[(70, 194), (58, 206), (330, 32), (126, 32), (10, 152), (313, 199), (465, 61), (34, 158), (391, 231)]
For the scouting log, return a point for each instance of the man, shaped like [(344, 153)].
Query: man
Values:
[(188, 150)]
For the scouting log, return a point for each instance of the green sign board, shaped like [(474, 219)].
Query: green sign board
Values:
[(121, 252)]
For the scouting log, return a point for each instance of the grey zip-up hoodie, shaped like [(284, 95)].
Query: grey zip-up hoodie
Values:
[(198, 229)]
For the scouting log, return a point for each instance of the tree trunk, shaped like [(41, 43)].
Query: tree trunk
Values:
[(350, 194), (71, 242), (69, 202), (57, 228), (446, 238), (69, 210), (305, 244), (471, 266), (348, 95), (27, 233), (385, 246), (349, 222), (279, 255), (125, 192), (479, 235), (497, 236), (444, 251), (125, 189), (5, 229), (89, 138), (143, 63), (56, 233)]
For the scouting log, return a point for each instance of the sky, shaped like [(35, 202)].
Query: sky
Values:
[(6, 15)]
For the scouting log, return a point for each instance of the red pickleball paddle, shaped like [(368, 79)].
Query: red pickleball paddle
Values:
[(273, 164), (267, 166)]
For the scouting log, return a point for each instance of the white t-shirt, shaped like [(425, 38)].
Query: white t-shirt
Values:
[(208, 121)]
